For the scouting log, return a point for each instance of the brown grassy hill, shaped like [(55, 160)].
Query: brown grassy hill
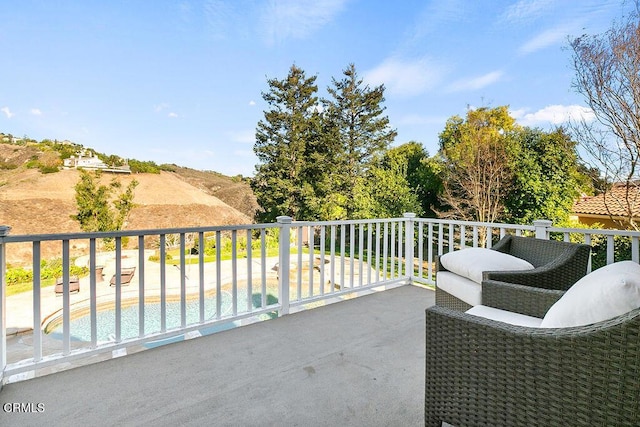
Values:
[(35, 203), (31, 202), (233, 191)]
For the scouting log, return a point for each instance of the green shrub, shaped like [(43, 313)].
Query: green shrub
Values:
[(138, 166), (7, 166), (622, 250), (48, 169), (156, 258), (32, 164), (18, 275), (49, 269), (168, 167)]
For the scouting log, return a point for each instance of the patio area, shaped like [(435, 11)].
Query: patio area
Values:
[(358, 362)]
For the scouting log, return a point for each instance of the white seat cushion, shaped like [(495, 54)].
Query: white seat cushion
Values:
[(460, 287), (606, 293), (505, 316), (471, 262)]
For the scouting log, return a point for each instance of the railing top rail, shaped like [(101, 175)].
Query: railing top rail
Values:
[(144, 232), (345, 222), (129, 233), (160, 231), (476, 223), (601, 231)]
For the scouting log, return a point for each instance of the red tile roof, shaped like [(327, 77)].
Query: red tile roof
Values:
[(613, 202)]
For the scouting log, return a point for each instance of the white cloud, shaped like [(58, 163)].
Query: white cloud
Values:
[(438, 15), (553, 114), (406, 78), (7, 112), (172, 115), (525, 10), (283, 19), (545, 39), (36, 112), (252, 103), (220, 17), (475, 83), (244, 136), (159, 107)]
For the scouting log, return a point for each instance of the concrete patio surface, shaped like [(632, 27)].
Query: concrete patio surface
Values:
[(358, 362)]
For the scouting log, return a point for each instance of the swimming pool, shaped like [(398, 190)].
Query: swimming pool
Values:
[(80, 327)]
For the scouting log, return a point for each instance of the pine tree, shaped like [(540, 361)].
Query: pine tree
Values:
[(284, 141), (354, 119)]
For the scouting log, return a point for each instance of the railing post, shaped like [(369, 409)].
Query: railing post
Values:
[(4, 231), (284, 262), (408, 244), (542, 228)]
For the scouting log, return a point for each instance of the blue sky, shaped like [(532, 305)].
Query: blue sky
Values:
[(181, 81)]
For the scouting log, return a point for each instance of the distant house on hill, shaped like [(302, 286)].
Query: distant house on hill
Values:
[(89, 160), (611, 209), (9, 139)]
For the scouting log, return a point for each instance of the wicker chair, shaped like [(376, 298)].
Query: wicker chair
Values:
[(480, 372), (558, 265)]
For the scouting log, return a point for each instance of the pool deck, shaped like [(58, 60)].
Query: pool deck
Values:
[(20, 306), (358, 362)]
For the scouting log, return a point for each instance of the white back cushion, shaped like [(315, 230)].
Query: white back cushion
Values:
[(606, 293), (471, 262)]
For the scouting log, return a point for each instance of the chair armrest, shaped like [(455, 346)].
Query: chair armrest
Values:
[(484, 372), (439, 266), (529, 300), (559, 274)]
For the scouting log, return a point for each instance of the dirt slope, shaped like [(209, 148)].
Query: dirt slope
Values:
[(31, 202), (36, 203)]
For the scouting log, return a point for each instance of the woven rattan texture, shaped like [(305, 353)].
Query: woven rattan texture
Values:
[(485, 373), (558, 265)]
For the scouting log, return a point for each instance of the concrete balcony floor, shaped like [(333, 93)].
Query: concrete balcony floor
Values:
[(354, 363)]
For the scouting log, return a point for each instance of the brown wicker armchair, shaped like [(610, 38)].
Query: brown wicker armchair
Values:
[(481, 372), (558, 265)]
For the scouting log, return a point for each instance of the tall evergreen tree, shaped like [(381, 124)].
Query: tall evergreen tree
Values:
[(284, 141), (354, 119)]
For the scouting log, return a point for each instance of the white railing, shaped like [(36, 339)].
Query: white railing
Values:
[(270, 270), (220, 277), (436, 237)]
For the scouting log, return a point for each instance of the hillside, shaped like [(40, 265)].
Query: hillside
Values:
[(32, 202)]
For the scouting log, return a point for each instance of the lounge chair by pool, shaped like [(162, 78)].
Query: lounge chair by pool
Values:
[(74, 284), (126, 274)]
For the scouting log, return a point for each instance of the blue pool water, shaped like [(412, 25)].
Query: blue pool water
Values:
[(80, 328)]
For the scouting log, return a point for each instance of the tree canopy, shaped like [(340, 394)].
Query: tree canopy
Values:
[(478, 168), (316, 157), (495, 170), (98, 208), (332, 158), (284, 143)]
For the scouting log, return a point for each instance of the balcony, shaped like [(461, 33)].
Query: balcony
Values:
[(279, 336)]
